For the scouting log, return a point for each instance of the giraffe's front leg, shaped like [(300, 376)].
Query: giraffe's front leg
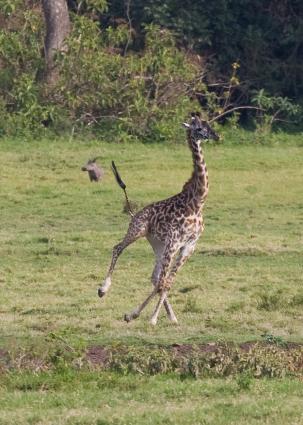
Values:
[(107, 282), (136, 313), (162, 299)]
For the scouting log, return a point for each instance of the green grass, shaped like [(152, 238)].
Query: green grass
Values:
[(58, 230), (244, 280), (89, 399)]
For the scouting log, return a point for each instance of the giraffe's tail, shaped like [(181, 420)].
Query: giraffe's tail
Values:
[(123, 186)]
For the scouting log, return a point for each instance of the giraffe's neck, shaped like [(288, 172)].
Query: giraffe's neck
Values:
[(197, 185)]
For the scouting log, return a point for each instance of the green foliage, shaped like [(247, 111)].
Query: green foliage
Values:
[(95, 5), (142, 95), (22, 105), (273, 109), (144, 361), (276, 340), (100, 85), (133, 79), (8, 7)]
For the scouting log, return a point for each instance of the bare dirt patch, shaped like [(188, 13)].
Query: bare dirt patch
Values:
[(98, 355)]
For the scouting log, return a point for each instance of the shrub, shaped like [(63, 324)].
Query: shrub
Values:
[(142, 95), (99, 86)]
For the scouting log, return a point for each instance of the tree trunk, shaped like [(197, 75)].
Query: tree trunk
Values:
[(57, 28)]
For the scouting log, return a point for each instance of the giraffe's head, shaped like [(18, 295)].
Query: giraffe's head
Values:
[(200, 130)]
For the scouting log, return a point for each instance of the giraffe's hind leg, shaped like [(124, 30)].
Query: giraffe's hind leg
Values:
[(136, 230), (155, 277), (136, 313), (185, 252), (160, 286), (158, 247), (183, 255)]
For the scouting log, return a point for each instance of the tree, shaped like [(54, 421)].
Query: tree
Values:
[(264, 37), (57, 29)]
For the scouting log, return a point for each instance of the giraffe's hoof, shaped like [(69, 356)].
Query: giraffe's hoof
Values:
[(127, 318), (153, 321), (101, 293)]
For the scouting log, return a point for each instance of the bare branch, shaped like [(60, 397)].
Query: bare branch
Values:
[(232, 110)]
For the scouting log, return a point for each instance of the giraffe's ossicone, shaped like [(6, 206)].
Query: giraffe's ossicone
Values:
[(172, 226)]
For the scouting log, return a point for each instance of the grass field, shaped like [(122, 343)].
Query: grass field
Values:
[(87, 399), (243, 282)]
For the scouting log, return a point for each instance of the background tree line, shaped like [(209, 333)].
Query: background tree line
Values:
[(134, 68)]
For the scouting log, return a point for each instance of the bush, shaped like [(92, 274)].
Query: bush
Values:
[(104, 86), (100, 85), (142, 95)]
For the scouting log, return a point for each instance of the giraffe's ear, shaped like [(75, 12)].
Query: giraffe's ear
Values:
[(185, 125)]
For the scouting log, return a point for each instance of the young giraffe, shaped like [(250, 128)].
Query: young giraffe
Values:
[(171, 226)]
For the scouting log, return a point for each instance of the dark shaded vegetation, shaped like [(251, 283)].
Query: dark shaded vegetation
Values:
[(265, 37)]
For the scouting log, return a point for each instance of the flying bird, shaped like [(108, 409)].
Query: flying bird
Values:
[(95, 172)]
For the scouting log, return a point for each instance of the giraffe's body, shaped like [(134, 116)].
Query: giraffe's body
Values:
[(171, 226)]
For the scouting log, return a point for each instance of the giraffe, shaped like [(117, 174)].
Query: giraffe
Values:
[(171, 226)]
